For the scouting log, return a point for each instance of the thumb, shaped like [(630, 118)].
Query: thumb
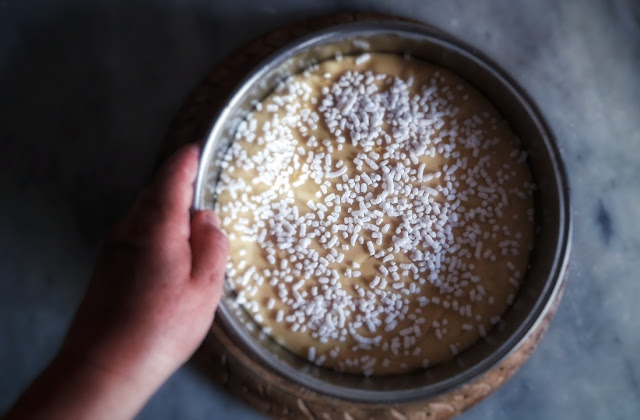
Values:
[(209, 250)]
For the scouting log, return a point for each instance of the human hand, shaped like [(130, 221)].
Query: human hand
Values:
[(157, 281), (151, 300)]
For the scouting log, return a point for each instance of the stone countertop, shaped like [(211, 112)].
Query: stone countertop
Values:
[(87, 90)]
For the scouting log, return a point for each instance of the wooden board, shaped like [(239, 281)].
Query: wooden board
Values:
[(243, 376)]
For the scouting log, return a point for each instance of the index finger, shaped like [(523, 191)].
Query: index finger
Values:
[(164, 207)]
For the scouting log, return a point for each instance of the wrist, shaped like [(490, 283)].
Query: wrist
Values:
[(111, 364), (100, 391), (73, 388)]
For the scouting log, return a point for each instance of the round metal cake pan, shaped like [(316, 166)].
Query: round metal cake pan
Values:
[(548, 261)]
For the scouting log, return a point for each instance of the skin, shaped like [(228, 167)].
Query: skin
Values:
[(151, 301)]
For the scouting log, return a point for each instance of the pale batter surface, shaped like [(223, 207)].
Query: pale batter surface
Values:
[(380, 214)]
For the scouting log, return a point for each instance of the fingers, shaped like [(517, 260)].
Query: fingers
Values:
[(209, 250), (165, 204), (175, 179)]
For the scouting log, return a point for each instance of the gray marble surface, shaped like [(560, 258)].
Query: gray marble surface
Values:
[(87, 89)]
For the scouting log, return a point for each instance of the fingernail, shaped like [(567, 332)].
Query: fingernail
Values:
[(193, 148), (212, 218)]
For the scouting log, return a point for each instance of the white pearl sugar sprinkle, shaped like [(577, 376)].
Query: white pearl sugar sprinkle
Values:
[(416, 224)]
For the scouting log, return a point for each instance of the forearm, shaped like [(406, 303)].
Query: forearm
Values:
[(72, 389)]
